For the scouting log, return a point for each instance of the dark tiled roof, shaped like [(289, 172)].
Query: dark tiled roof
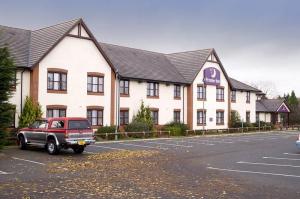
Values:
[(28, 47), (17, 41), (268, 105), (237, 85), (43, 39), (142, 64), (189, 63)]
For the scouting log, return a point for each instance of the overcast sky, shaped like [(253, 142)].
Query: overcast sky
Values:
[(258, 41)]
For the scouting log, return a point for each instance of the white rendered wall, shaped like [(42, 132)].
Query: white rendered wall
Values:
[(165, 103), (211, 105), (16, 97), (78, 56), (242, 107)]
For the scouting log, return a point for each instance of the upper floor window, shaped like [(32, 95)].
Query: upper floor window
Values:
[(57, 81), (201, 117), (95, 83), (233, 96), (220, 117), (124, 87), (201, 92), (95, 117), (154, 115), (248, 96), (177, 116), (220, 94), (124, 117), (152, 89), (177, 91)]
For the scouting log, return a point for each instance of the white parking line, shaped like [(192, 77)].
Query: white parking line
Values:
[(191, 142), (107, 147), (5, 173), (253, 172), (267, 164), (170, 144), (137, 145), (215, 141), (291, 153), (88, 152), (276, 158), (40, 163)]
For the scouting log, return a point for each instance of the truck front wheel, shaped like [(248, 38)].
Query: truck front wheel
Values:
[(52, 147)]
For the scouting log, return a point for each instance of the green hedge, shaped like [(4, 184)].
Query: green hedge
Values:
[(138, 126), (176, 129), (106, 129)]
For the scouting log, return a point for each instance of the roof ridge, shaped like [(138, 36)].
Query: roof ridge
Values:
[(15, 28), (211, 49), (77, 19), (130, 48), (244, 83)]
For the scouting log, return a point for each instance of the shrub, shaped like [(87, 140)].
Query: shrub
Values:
[(138, 126), (176, 128), (30, 113), (235, 120), (106, 129)]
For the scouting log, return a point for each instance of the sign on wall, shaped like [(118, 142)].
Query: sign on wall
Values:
[(211, 76), (283, 109)]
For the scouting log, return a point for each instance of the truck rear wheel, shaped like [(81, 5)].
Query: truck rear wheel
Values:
[(78, 149), (52, 147), (22, 143)]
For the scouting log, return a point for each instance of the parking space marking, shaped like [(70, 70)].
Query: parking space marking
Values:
[(5, 173), (88, 152), (189, 146), (216, 141), (253, 172), (191, 142), (276, 158), (267, 164), (40, 163), (107, 147), (137, 145), (291, 153)]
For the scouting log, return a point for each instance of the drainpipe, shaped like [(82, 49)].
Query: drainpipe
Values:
[(183, 105), (117, 104), (21, 102)]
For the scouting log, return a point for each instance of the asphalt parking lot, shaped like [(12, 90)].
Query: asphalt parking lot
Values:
[(260, 165)]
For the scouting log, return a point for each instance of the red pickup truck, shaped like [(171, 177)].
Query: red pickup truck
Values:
[(57, 133)]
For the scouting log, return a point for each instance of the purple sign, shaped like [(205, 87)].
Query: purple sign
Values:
[(212, 76), (283, 109)]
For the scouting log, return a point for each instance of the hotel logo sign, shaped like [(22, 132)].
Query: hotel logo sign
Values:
[(211, 76)]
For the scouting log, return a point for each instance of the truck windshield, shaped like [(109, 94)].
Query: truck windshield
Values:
[(79, 124)]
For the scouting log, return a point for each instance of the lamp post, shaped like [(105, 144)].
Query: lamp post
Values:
[(117, 104)]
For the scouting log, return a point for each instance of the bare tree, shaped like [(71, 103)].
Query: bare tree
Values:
[(267, 87)]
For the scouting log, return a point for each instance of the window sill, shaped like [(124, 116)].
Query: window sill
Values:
[(248, 102), (124, 95), (218, 100), (153, 97), (177, 98), (220, 124), (233, 101), (94, 93), (57, 91), (201, 124), (200, 99)]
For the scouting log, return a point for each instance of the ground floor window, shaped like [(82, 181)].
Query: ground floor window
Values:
[(220, 117), (201, 117), (177, 116), (95, 117), (154, 115), (248, 116), (56, 112), (124, 117)]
